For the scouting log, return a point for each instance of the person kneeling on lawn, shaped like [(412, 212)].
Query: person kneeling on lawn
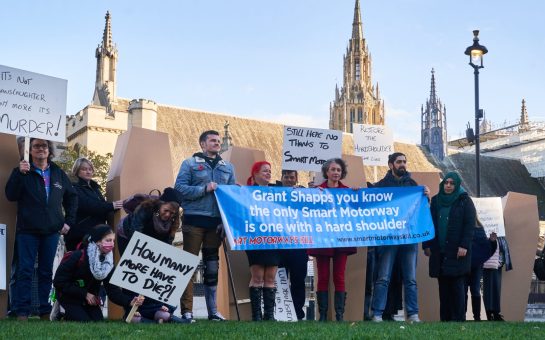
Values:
[(79, 277)]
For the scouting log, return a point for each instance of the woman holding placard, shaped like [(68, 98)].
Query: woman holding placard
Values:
[(454, 219), (333, 170), (79, 277), (263, 263)]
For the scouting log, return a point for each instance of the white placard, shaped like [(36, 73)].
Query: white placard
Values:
[(284, 309), (3, 257), (32, 104), (373, 143), (154, 269), (490, 213), (308, 148)]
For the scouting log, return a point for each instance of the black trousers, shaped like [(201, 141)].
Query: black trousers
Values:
[(79, 312), (295, 261), (492, 290), (452, 298)]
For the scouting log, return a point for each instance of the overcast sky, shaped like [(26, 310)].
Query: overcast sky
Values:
[(279, 60)]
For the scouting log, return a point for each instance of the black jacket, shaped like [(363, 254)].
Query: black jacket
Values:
[(390, 181), (461, 226), (35, 213), (92, 210), (69, 290)]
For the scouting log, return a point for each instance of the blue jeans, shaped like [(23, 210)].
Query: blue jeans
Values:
[(385, 261), (28, 247)]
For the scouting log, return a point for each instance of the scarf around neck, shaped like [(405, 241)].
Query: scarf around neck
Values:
[(100, 265), (444, 199)]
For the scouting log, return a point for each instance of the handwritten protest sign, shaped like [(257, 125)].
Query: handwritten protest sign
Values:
[(3, 256), (283, 310), (154, 269), (490, 213), (283, 218), (373, 143), (32, 104), (307, 148)]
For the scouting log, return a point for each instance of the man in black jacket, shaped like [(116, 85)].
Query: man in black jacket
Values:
[(397, 176), (41, 190)]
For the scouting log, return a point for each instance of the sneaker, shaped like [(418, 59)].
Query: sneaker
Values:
[(216, 317), (377, 318), (188, 316), (413, 318), (175, 319)]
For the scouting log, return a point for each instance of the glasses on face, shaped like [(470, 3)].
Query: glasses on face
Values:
[(39, 146), (450, 183)]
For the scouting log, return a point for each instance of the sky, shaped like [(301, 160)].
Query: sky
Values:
[(280, 60)]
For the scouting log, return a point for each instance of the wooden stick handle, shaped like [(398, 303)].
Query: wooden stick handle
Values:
[(134, 309), (26, 156)]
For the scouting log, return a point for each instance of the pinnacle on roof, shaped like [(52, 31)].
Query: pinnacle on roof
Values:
[(357, 32)]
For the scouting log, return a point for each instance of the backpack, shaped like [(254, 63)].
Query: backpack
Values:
[(67, 255)]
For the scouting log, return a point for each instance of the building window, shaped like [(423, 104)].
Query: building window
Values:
[(360, 115), (352, 119), (357, 70)]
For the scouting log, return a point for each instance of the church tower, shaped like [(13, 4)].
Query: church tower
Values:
[(524, 124), (105, 85), (357, 101), (434, 123)]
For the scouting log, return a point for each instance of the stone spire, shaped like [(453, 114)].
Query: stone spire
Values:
[(226, 140), (357, 31), (434, 123), (433, 94), (357, 100), (105, 83), (524, 121)]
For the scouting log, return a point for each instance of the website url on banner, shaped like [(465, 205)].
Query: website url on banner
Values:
[(382, 237)]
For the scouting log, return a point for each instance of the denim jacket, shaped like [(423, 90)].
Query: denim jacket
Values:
[(191, 182)]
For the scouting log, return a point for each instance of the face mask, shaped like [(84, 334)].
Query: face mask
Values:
[(107, 248)]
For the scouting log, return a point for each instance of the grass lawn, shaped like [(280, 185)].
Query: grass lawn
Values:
[(33, 329)]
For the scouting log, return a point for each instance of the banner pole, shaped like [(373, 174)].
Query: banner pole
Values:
[(133, 310), (228, 262), (27, 148)]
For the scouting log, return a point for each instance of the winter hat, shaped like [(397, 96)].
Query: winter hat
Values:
[(170, 195), (97, 233)]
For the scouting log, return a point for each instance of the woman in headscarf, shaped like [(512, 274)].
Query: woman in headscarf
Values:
[(263, 263), (333, 170), (79, 277), (454, 219)]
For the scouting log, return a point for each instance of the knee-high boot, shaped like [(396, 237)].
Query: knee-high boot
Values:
[(323, 302), (255, 301), (476, 306), (269, 297), (340, 301)]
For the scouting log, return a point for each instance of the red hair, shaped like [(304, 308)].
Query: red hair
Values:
[(255, 169)]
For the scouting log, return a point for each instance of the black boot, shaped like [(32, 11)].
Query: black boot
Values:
[(269, 297), (476, 306), (340, 301), (255, 301), (489, 316), (323, 302), (497, 316)]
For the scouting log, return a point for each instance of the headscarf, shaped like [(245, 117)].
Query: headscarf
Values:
[(444, 199), (255, 169)]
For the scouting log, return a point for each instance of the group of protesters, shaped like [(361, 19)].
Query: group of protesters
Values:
[(50, 205)]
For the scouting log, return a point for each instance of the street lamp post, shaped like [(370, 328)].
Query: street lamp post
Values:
[(476, 53)]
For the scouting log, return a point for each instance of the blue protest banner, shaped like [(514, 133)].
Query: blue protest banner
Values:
[(285, 218)]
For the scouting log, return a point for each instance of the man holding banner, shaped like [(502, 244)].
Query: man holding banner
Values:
[(397, 176), (42, 190), (197, 180)]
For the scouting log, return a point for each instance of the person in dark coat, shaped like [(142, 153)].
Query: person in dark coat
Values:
[(263, 263), (78, 279), (46, 207), (160, 219), (454, 219), (92, 207), (333, 170)]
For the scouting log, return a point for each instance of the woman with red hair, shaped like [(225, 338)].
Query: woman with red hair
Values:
[(263, 263), (333, 171)]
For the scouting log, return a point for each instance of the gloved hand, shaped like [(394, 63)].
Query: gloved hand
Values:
[(220, 231)]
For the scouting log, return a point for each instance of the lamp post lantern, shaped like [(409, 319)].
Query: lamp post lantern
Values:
[(476, 53)]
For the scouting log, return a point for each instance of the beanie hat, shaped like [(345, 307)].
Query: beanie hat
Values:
[(97, 233), (170, 195)]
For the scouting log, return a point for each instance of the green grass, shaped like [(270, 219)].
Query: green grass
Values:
[(35, 329)]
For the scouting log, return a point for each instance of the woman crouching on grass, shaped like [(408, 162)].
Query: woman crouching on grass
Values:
[(78, 279)]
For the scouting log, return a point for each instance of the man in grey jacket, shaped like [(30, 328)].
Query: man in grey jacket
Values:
[(197, 179)]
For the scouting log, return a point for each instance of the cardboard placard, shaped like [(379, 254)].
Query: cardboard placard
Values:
[(373, 143), (154, 269), (3, 256), (284, 309), (32, 104), (490, 213), (309, 148)]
